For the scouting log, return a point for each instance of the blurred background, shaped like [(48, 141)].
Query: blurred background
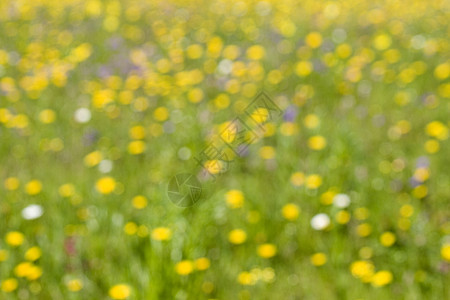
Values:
[(342, 194)]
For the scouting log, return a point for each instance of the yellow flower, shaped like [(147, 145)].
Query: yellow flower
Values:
[(317, 142), (32, 254), (161, 234), (387, 239), (14, 238), (432, 146), (105, 185), (318, 259), (202, 263), (12, 183), (237, 236), (382, 41), (311, 121), (303, 68), (93, 158), (9, 285), (246, 278), (267, 152), (364, 230), (442, 71), (137, 132), (139, 202), (74, 285), (195, 95), (255, 52), (23, 269), (33, 187), (267, 250), (437, 129), (136, 147), (161, 114), (290, 211), (382, 278), (67, 190), (313, 181), (120, 291), (3, 255), (362, 269), (298, 178), (313, 40), (342, 217), (445, 252), (184, 267), (130, 228), (47, 116), (234, 199)]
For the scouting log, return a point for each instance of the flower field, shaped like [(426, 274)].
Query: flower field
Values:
[(224, 149)]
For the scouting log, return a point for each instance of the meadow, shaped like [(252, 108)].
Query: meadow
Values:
[(342, 193)]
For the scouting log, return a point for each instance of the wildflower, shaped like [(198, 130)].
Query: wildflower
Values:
[(14, 238), (320, 221), (105, 185), (161, 234), (317, 142), (32, 212), (139, 202), (12, 183), (136, 147), (32, 254), (342, 217), (267, 152), (130, 228), (237, 236), (33, 187), (298, 178), (313, 181), (311, 121), (445, 251), (9, 285), (119, 291), (47, 116), (362, 269), (381, 278), (184, 267), (267, 250), (234, 199), (341, 200), (202, 263), (74, 285), (161, 114), (290, 211), (313, 40), (364, 229), (82, 115), (66, 190), (387, 239), (246, 278), (318, 259)]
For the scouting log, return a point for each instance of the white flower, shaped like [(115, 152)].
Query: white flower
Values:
[(105, 166), (82, 115), (341, 200), (32, 212), (320, 221)]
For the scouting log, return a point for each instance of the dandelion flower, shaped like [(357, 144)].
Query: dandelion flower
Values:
[(105, 185), (267, 250), (184, 267), (120, 291), (237, 236)]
